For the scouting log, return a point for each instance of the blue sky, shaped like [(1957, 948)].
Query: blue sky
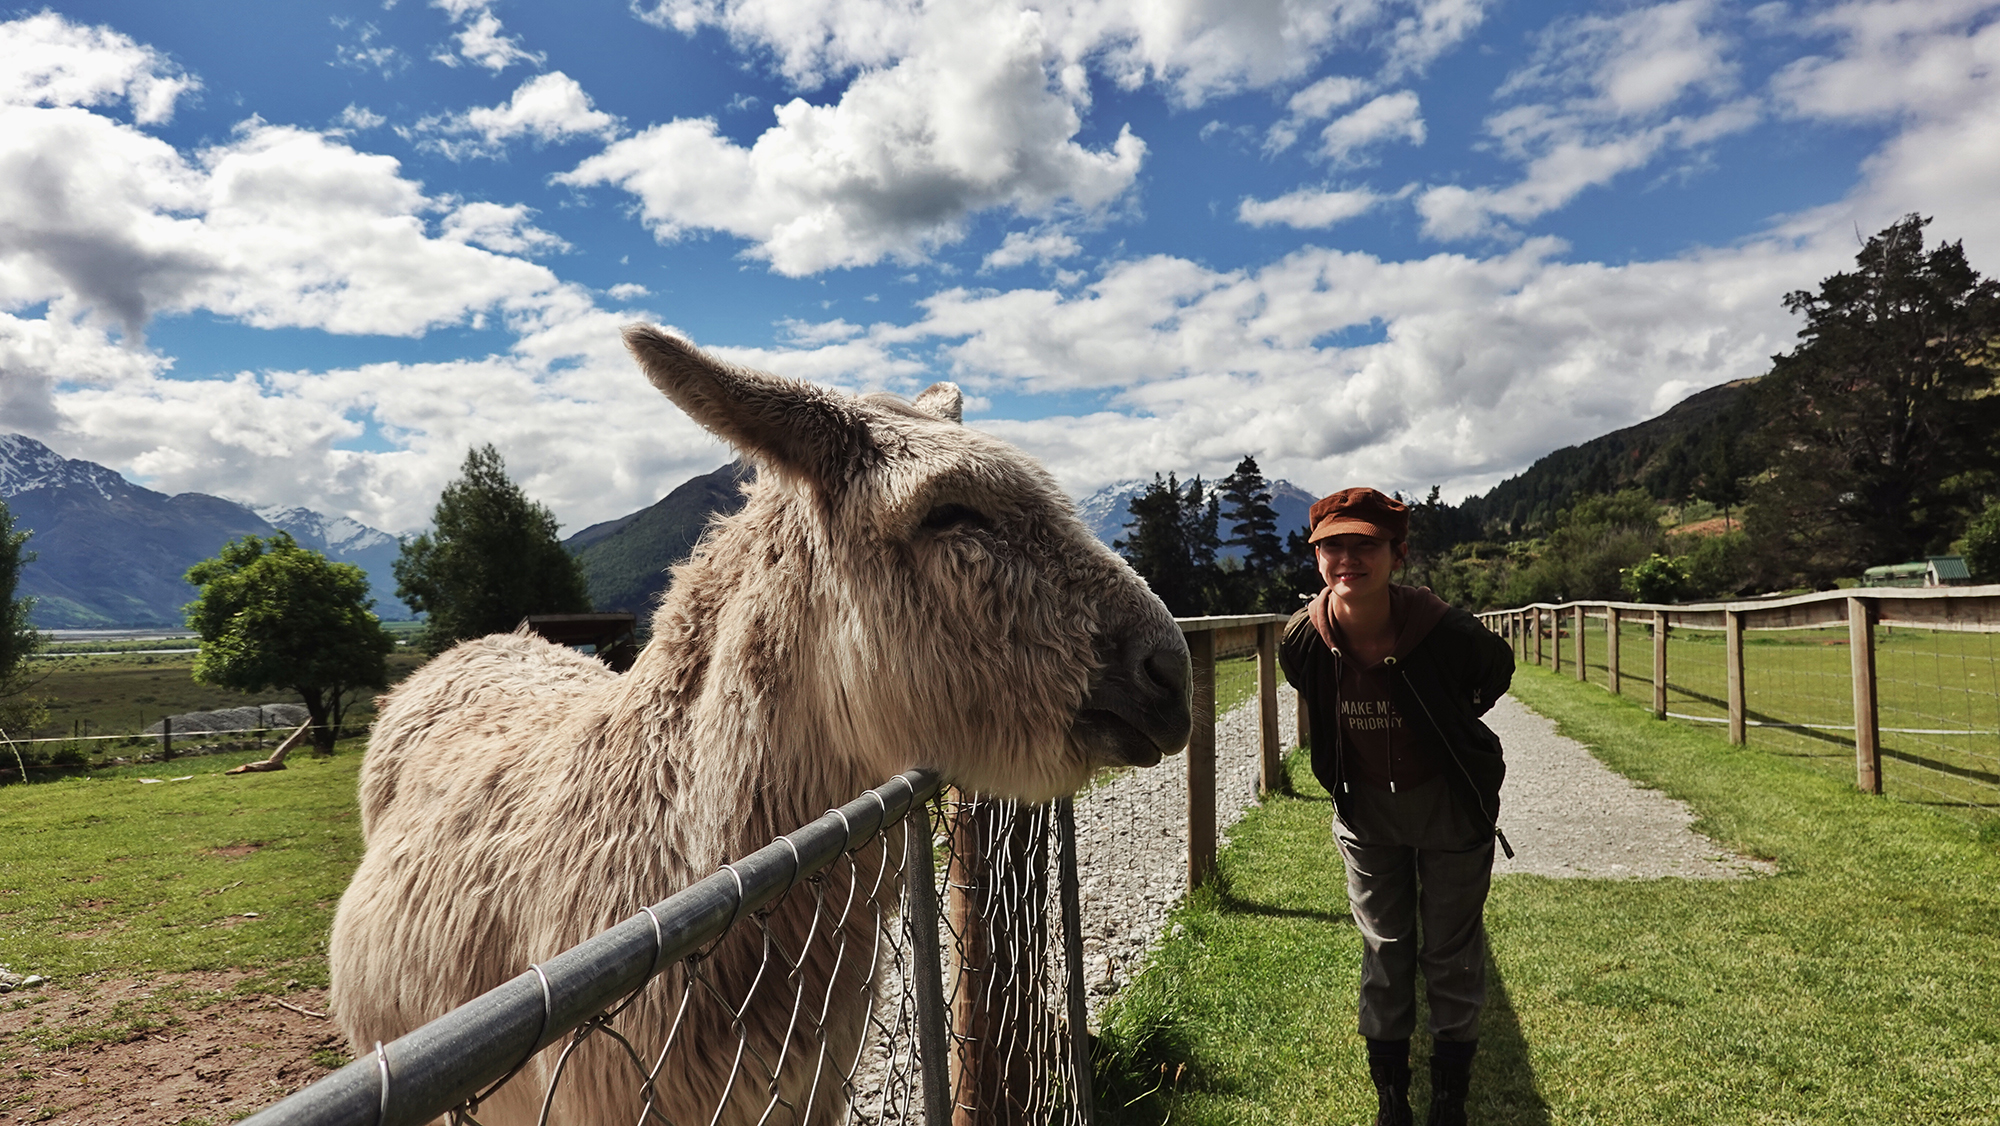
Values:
[(307, 255)]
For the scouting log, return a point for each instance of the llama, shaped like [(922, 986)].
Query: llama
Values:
[(897, 591)]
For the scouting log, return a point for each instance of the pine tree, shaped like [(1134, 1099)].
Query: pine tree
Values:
[(1201, 515), (1171, 542), (492, 559), (1880, 422), (1254, 528)]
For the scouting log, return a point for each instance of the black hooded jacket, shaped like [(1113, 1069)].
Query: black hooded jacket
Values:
[(1445, 678)]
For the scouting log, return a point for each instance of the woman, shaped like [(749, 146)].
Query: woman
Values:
[(1395, 681)]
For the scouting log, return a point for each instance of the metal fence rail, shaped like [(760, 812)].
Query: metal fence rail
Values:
[(1900, 686), (972, 984), (997, 1044)]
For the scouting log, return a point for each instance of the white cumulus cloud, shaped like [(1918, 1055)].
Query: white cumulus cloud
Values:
[(1044, 247), (1391, 117), (547, 108), (499, 227), (1308, 208), (45, 60), (958, 107), (896, 167), (480, 40)]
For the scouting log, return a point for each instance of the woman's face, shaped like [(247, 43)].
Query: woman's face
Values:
[(1356, 566)]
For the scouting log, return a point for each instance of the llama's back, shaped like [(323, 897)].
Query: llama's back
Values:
[(454, 797), (470, 714)]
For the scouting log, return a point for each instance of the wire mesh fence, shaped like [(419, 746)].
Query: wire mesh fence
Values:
[(865, 968), (1939, 695), (1916, 715)]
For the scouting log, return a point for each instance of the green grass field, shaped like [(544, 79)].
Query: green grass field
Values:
[(1938, 700), (110, 874), (122, 693), (1858, 985)]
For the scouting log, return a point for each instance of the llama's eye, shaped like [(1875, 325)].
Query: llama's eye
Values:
[(953, 516)]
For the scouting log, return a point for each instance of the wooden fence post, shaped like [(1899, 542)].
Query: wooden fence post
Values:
[(1732, 635), (1201, 760), (1582, 665), (1611, 650), (1867, 717), (1270, 774), (993, 1083), (1556, 638), (1659, 664), (1537, 612)]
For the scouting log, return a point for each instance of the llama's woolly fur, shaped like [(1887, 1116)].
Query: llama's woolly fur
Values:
[(898, 590)]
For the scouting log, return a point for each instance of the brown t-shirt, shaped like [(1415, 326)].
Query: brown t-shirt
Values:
[(1382, 749)]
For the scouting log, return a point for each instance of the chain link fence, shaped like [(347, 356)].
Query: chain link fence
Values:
[(914, 956)]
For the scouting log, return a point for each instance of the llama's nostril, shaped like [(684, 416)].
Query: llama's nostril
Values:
[(1168, 668)]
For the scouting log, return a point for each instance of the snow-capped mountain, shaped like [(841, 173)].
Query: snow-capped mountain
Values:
[(111, 553), (27, 465), (1107, 511), (335, 535)]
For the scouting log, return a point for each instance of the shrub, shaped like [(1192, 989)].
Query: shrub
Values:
[(1657, 578)]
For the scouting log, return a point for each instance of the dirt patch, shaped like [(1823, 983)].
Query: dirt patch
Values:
[(1714, 526), (173, 1048), (235, 851)]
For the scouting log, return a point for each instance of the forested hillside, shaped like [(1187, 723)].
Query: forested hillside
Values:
[(1673, 456)]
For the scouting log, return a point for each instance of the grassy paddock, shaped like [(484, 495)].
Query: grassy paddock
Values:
[(1859, 984), (109, 874), (1938, 696), (122, 693)]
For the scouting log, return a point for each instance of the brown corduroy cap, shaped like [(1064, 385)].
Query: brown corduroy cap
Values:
[(1360, 511)]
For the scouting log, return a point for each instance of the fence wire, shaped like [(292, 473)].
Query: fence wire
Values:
[(1016, 993), (1937, 695), (1635, 657), (854, 971), (1939, 702)]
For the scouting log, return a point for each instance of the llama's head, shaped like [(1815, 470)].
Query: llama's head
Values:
[(925, 591)]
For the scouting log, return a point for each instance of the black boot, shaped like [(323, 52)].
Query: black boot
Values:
[(1389, 1067), (1451, 1081)]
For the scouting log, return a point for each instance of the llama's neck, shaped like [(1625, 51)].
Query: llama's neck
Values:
[(735, 679)]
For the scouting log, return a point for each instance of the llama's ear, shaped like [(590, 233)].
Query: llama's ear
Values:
[(942, 400), (796, 427)]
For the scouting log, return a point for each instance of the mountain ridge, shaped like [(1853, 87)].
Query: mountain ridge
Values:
[(111, 553)]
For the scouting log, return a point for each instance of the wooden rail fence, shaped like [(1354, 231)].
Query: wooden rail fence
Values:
[(1542, 628), (1207, 637)]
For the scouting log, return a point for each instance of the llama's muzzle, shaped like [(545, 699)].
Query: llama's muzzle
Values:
[(1140, 708)]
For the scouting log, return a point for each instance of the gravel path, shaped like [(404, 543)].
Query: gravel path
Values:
[(1565, 813)]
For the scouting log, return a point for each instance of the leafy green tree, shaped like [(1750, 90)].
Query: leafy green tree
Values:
[(1657, 578), (491, 559), (1171, 543), (272, 614), (1721, 467), (1717, 566), (1594, 541), (1880, 422), (1982, 544), (20, 713), (1253, 525)]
